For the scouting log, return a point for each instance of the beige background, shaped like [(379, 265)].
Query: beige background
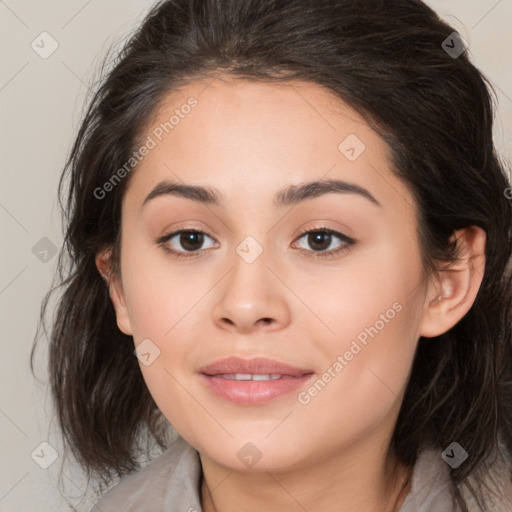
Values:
[(41, 102)]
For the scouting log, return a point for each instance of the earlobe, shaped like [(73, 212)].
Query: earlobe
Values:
[(103, 264), (453, 290)]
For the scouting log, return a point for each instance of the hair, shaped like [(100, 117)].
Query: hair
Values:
[(384, 59)]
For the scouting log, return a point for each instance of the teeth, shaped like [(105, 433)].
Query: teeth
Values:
[(249, 376)]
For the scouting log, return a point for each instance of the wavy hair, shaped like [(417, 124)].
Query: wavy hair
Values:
[(435, 112)]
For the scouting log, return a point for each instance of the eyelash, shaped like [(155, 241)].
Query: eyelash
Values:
[(348, 243)]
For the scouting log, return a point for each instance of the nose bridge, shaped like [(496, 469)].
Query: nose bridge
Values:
[(251, 293), (253, 249), (249, 277)]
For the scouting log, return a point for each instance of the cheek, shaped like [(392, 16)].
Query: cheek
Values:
[(373, 309), (373, 293), (361, 386), (165, 307), (159, 293)]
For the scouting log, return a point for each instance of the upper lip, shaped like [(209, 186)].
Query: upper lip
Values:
[(254, 366)]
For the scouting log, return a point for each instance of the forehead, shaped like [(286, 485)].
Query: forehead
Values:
[(253, 138)]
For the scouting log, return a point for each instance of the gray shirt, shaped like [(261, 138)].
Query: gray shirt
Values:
[(171, 483)]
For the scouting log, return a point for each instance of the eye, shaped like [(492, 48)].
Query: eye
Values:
[(191, 240), (321, 238)]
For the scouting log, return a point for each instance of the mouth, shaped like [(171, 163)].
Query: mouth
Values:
[(250, 376), (252, 381)]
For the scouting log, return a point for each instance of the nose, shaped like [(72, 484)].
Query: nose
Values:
[(252, 297)]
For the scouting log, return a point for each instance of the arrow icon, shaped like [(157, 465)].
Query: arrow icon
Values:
[(454, 455), (44, 455), (44, 249), (247, 252), (44, 45), (249, 454), (351, 147), (454, 45), (147, 352)]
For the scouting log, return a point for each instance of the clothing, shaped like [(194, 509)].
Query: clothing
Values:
[(171, 483)]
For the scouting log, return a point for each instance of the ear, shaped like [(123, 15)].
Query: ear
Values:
[(103, 263), (452, 291)]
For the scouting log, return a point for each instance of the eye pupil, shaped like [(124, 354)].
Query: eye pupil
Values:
[(193, 237), (319, 237)]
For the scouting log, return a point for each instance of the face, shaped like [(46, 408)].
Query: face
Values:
[(329, 282)]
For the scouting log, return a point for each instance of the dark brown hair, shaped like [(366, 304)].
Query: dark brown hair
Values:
[(435, 111)]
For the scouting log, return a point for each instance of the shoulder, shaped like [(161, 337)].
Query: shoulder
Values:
[(430, 486), (432, 489), (497, 483), (170, 482)]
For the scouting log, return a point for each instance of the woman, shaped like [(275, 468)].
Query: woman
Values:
[(290, 241)]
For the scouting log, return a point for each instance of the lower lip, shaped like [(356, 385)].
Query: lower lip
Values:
[(253, 392)]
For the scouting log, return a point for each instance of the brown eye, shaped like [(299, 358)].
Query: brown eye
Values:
[(184, 243), (319, 241), (191, 240)]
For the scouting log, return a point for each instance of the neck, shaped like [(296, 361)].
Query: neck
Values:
[(346, 483)]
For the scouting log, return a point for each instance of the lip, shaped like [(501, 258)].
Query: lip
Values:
[(250, 392), (256, 365)]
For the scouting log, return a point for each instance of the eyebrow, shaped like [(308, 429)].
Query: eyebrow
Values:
[(290, 195)]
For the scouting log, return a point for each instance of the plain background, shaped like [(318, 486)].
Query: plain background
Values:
[(41, 103)]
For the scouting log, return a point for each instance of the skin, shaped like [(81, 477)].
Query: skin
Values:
[(249, 140)]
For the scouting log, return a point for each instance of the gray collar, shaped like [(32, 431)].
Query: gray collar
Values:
[(172, 483), (169, 483)]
